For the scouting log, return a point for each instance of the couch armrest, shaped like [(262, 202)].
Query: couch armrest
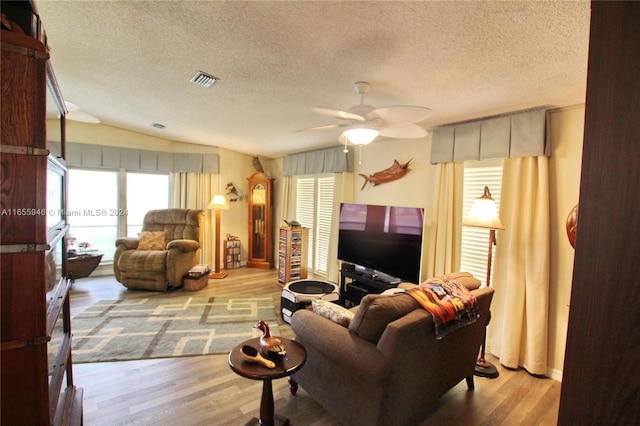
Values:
[(339, 346), (128, 243), (405, 285), (184, 246)]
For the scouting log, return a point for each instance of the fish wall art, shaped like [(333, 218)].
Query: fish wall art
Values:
[(395, 172)]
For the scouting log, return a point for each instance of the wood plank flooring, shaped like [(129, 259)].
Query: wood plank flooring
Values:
[(202, 390)]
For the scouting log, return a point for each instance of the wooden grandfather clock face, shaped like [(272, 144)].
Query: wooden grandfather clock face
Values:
[(260, 221)]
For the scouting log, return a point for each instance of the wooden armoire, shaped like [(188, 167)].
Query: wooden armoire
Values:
[(601, 376), (37, 377)]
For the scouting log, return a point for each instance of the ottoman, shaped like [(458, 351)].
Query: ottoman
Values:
[(299, 294)]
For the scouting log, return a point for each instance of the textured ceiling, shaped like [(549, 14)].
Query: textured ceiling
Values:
[(129, 63)]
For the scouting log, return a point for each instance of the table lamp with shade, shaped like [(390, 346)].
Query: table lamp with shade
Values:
[(484, 214), (218, 203)]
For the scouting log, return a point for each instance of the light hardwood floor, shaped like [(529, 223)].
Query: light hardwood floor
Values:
[(204, 391)]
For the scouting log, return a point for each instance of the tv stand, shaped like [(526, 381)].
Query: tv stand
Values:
[(356, 283)]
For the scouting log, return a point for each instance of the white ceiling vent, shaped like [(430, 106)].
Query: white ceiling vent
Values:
[(203, 79)]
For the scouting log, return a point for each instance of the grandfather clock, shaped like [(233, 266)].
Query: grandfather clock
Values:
[(260, 221)]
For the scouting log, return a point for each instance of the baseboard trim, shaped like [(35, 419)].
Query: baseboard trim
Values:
[(555, 374)]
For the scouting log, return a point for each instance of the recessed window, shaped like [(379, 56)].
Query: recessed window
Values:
[(92, 209), (144, 192)]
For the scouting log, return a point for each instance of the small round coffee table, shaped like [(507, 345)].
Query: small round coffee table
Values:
[(295, 359)]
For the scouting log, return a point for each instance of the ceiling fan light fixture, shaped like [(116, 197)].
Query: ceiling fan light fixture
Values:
[(361, 135)]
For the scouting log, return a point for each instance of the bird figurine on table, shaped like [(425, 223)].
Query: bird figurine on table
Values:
[(269, 345)]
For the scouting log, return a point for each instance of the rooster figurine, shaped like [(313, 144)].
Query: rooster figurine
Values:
[(269, 345)]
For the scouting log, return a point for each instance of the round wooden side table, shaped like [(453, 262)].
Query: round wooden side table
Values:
[(295, 359)]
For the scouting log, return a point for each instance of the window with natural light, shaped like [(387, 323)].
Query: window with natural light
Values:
[(314, 207), (144, 192), (475, 241), (94, 213), (93, 209)]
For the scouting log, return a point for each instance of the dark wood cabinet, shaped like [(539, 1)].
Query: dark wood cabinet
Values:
[(601, 382), (35, 289)]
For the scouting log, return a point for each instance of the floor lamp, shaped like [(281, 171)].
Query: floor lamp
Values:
[(218, 203), (484, 214)]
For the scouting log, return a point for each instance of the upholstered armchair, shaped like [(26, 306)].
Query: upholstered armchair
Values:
[(169, 245), (386, 367)]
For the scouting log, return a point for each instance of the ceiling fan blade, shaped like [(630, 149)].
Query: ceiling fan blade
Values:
[(401, 114), (327, 126), (336, 113), (407, 131)]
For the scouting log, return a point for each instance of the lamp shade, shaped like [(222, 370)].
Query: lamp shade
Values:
[(483, 213), (361, 135), (218, 202)]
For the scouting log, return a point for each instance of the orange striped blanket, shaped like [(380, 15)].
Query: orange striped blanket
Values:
[(449, 302)]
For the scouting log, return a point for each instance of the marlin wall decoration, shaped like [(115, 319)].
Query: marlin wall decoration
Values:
[(395, 172)]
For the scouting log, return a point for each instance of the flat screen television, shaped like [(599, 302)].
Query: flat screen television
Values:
[(384, 239)]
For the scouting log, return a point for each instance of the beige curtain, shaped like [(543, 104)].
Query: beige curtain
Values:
[(343, 193), (517, 333), (285, 203), (443, 252), (195, 191)]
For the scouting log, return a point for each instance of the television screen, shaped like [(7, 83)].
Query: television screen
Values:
[(385, 239)]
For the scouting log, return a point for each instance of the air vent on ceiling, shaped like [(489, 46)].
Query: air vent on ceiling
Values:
[(203, 79)]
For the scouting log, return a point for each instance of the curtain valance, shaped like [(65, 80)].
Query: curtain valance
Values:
[(113, 157), (329, 160), (522, 134)]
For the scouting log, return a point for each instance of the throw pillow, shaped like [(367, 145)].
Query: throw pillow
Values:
[(333, 312), (151, 241), (376, 311)]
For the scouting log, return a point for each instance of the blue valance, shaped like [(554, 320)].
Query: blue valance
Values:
[(329, 160), (522, 134), (136, 160)]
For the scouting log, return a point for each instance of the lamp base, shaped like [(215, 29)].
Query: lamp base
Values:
[(218, 275), (486, 369)]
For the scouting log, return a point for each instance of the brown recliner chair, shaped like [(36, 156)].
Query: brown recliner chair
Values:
[(387, 367), (166, 264)]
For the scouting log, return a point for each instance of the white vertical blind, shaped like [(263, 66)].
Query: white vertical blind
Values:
[(475, 241), (314, 206), (305, 210), (323, 223)]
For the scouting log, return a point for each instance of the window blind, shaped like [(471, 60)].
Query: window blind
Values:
[(314, 208), (475, 241), (323, 223), (305, 210)]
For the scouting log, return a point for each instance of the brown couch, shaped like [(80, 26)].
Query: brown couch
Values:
[(166, 266), (387, 367)]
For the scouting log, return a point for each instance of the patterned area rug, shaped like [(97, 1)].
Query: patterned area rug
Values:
[(167, 327)]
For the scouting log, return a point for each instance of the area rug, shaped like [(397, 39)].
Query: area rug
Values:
[(119, 330)]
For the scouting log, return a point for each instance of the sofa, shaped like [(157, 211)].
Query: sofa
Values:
[(167, 247), (387, 367)]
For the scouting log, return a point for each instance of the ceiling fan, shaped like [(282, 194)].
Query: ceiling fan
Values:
[(366, 122)]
